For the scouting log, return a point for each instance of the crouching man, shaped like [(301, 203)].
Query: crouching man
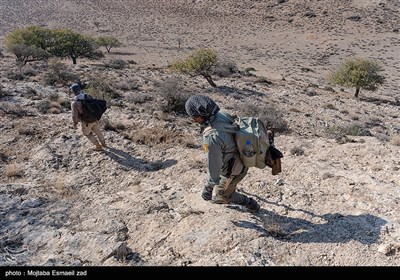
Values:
[(225, 169)]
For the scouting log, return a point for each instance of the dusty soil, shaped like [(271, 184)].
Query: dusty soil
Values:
[(138, 203)]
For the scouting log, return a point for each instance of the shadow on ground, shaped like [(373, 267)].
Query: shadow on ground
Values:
[(130, 162), (328, 228)]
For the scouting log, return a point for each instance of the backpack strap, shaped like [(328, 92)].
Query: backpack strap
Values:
[(208, 130)]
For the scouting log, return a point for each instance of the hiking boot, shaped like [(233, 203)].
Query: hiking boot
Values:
[(252, 206), (206, 194), (98, 148)]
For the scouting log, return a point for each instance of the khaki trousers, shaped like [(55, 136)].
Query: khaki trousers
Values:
[(89, 128)]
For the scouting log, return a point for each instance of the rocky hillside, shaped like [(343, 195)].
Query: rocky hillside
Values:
[(138, 203)]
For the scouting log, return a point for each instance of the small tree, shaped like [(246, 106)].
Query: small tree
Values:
[(199, 63), (359, 73), (68, 43), (59, 42), (108, 42)]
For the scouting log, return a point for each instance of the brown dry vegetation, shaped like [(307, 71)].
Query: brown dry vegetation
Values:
[(336, 203)]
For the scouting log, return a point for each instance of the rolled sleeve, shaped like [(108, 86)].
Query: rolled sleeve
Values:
[(75, 110)]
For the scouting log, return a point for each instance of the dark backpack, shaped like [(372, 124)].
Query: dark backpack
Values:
[(92, 109)]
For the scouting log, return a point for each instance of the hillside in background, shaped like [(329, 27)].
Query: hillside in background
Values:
[(138, 203)]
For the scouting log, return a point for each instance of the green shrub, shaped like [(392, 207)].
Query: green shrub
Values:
[(359, 73), (352, 130), (199, 63), (108, 42)]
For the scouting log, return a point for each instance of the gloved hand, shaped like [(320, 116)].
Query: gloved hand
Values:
[(206, 193)]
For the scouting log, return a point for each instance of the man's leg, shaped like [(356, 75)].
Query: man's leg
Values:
[(87, 131), (225, 192), (97, 131)]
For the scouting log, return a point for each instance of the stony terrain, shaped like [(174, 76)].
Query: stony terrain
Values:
[(138, 203)]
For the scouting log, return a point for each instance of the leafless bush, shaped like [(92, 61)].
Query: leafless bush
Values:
[(99, 87), (139, 97), (372, 122), (43, 106), (57, 72), (172, 92), (225, 68), (127, 85), (58, 102), (382, 137), (53, 96), (29, 71), (49, 107), (116, 64), (15, 75), (12, 109)]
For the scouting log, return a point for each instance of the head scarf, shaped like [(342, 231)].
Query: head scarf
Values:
[(201, 106)]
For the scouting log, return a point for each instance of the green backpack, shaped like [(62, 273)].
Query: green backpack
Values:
[(255, 143)]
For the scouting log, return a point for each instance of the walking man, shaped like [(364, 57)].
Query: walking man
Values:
[(88, 129)]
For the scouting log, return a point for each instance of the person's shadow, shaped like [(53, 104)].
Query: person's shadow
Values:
[(327, 228), (130, 162)]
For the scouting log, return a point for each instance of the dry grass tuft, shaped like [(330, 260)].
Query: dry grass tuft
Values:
[(13, 170), (272, 227), (395, 140)]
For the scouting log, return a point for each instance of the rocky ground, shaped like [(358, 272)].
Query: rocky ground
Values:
[(138, 203)]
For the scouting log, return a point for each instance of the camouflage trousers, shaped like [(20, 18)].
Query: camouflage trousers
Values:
[(225, 192)]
